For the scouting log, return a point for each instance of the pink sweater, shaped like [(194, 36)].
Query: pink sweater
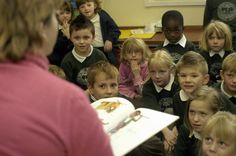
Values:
[(42, 115), (128, 85)]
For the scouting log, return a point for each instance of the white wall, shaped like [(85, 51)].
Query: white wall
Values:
[(134, 13)]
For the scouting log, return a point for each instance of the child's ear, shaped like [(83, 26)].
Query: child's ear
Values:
[(206, 79)]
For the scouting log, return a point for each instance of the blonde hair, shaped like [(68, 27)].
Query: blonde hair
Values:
[(161, 57), (192, 59), (134, 44), (101, 67), (20, 23), (222, 125), (222, 30), (210, 96), (229, 63), (58, 71), (97, 2)]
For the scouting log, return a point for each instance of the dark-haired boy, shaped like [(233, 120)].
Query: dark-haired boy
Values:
[(175, 41), (75, 64)]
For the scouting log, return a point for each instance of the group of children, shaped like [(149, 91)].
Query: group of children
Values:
[(172, 79)]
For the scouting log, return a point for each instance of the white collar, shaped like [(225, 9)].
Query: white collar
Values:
[(195, 134), (92, 97), (167, 87), (79, 57), (183, 95), (181, 42), (96, 18), (221, 53), (224, 92)]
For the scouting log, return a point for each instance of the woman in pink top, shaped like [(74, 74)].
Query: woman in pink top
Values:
[(40, 114)]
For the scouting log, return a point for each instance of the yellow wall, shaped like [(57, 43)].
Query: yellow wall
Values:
[(134, 13)]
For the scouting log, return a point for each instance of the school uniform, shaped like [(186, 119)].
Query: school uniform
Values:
[(180, 100), (187, 143), (76, 66), (176, 50), (220, 86), (214, 61), (157, 98)]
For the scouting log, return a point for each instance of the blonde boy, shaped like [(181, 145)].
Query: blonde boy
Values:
[(192, 73), (102, 80), (228, 76)]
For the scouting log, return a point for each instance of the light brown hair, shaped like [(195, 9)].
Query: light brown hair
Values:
[(222, 30), (229, 63), (222, 125), (134, 44), (161, 57), (20, 24), (101, 67), (210, 96), (192, 59)]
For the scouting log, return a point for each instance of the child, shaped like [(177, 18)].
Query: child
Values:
[(223, 10), (106, 30), (54, 69), (192, 73), (228, 76), (205, 102), (175, 42), (102, 80), (133, 68), (75, 64), (63, 44), (216, 44), (218, 135), (159, 90)]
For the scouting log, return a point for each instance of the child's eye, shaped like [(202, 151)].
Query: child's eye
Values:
[(208, 140), (229, 75), (194, 76), (191, 112), (114, 85), (182, 75), (203, 114), (222, 144), (102, 86)]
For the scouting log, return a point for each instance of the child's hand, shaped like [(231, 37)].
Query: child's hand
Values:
[(65, 28), (108, 46), (167, 147), (169, 136), (135, 67)]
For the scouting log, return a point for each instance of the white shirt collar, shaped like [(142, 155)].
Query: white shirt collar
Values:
[(195, 134), (167, 87), (79, 57), (183, 95), (181, 42), (92, 97), (224, 92), (96, 18), (221, 53)]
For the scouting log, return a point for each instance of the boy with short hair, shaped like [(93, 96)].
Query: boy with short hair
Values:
[(102, 80), (228, 76), (75, 64), (192, 73), (175, 41)]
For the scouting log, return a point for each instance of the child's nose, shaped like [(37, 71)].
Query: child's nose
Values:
[(196, 117), (213, 147)]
